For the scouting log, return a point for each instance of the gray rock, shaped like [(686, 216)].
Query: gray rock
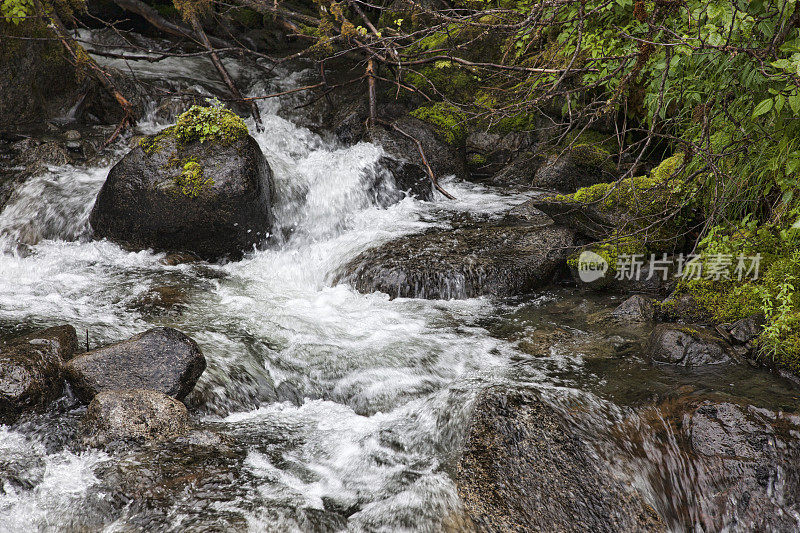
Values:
[(637, 308), (747, 329), (407, 178), (160, 359), (141, 205), (530, 214), (443, 158), (499, 259), (579, 166), (688, 346), (30, 370), (751, 457), (525, 468), (72, 135), (134, 415)]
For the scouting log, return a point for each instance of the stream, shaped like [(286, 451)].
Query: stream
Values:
[(322, 409)]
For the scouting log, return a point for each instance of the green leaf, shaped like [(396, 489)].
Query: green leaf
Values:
[(794, 102), (764, 107)]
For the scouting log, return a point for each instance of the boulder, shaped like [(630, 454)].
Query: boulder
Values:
[(525, 468), (210, 198), (444, 159), (653, 209), (403, 178), (688, 346), (580, 166), (494, 258), (160, 359), (750, 459), (30, 370), (747, 329), (134, 415), (638, 308)]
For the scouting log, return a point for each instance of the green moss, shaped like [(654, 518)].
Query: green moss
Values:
[(782, 350), (589, 155), (202, 124), (476, 160), (668, 168), (724, 301), (610, 251), (448, 120), (191, 180)]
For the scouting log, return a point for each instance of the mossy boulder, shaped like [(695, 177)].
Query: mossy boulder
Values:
[(503, 258), (653, 209), (202, 186)]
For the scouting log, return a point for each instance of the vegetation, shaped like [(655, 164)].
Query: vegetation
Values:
[(693, 105)]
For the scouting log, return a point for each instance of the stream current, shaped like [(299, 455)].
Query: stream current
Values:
[(334, 410)]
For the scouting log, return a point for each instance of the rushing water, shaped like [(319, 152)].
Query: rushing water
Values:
[(334, 409)]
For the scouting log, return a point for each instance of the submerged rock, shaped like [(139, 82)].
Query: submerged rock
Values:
[(688, 346), (174, 192), (30, 369), (499, 259), (160, 359), (134, 415), (523, 468), (638, 308)]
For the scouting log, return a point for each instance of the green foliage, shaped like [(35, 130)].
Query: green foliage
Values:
[(209, 123), (16, 11)]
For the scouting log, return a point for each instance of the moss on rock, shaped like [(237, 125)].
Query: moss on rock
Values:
[(447, 119)]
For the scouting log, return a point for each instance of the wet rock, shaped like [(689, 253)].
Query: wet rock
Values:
[(223, 211), (36, 80), (580, 166), (407, 178), (501, 159), (136, 415), (528, 213), (637, 308), (688, 346), (30, 369), (499, 259), (443, 158), (160, 359), (747, 329), (518, 172), (524, 468), (751, 460), (179, 258), (32, 153)]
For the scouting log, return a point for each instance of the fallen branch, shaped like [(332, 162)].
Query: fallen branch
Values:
[(81, 57), (223, 72), (153, 17)]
